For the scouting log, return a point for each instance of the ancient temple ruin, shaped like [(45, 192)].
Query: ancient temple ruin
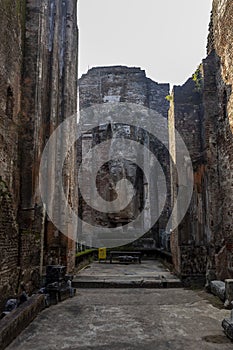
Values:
[(38, 91)]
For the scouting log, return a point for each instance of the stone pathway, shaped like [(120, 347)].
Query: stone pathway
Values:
[(128, 319)]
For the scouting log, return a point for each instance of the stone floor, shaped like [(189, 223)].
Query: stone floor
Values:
[(128, 319)]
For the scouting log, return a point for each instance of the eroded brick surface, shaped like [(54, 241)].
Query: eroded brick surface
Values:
[(38, 90), (106, 85), (203, 241)]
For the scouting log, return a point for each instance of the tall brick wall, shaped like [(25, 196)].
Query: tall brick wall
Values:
[(38, 90), (49, 97), (218, 100), (12, 15), (189, 240), (203, 243), (124, 84)]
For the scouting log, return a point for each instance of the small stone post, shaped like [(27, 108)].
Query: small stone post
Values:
[(229, 293)]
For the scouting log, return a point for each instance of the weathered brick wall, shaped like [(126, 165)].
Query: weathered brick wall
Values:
[(186, 115), (49, 97), (38, 90), (103, 84), (204, 240), (11, 51), (123, 84), (218, 99), (9, 240)]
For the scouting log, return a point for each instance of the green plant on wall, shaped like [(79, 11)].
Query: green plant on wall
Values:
[(169, 98), (198, 78)]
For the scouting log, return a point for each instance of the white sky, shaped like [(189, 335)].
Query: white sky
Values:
[(167, 38)]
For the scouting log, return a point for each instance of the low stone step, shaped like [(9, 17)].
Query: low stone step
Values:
[(125, 283)]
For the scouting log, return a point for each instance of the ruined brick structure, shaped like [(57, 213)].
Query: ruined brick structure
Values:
[(123, 84), (38, 90), (202, 112), (11, 17), (218, 103), (189, 241)]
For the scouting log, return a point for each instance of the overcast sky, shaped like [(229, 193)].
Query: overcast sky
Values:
[(167, 38)]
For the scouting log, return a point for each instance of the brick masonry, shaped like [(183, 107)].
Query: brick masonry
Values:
[(123, 84), (11, 59), (38, 90), (218, 101), (186, 115), (202, 244)]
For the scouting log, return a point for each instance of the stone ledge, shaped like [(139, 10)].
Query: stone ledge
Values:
[(122, 283), (15, 322)]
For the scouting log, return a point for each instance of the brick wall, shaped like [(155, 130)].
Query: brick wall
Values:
[(218, 99), (12, 15), (186, 116), (49, 97), (203, 241), (38, 90), (124, 84)]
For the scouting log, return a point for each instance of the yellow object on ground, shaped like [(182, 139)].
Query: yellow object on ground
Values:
[(102, 254)]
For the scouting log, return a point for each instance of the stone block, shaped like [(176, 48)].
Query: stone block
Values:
[(218, 288), (229, 293), (227, 325)]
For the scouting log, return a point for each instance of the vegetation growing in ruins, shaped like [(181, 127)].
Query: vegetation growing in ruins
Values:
[(169, 98), (198, 78)]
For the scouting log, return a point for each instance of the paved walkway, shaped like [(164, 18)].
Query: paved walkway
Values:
[(128, 319)]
